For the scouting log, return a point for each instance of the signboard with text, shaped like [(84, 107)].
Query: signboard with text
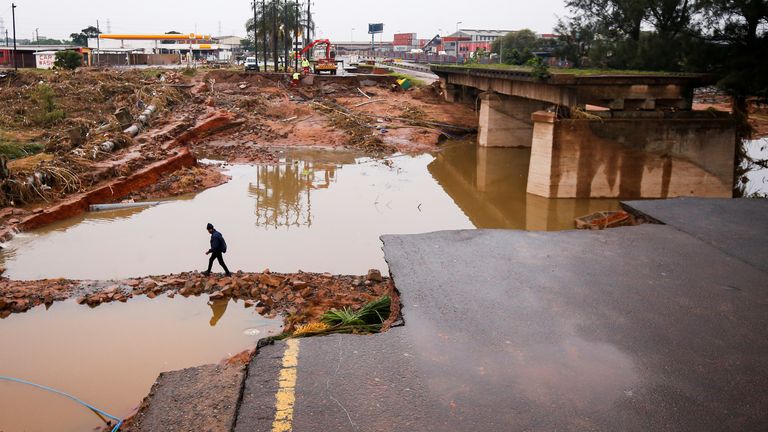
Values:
[(375, 28)]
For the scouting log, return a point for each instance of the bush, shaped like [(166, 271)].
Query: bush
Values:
[(539, 69), (47, 113), (69, 60)]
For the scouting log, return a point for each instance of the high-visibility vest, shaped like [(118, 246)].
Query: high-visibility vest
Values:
[(297, 76), (305, 63)]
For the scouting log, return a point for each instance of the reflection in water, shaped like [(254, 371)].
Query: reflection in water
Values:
[(218, 307), (319, 198), (489, 185), (110, 355), (283, 192)]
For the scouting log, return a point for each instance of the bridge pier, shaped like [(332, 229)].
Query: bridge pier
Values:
[(505, 121), (633, 155)]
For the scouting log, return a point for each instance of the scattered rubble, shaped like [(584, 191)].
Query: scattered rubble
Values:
[(301, 298)]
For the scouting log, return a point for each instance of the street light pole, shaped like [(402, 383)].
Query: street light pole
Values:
[(37, 36), (264, 33), (98, 45), (458, 42), (255, 37), (13, 13)]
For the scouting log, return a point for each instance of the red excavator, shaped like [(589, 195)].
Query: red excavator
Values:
[(327, 64)]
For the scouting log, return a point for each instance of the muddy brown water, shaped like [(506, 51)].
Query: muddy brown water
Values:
[(109, 356), (318, 211)]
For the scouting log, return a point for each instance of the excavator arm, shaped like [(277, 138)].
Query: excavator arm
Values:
[(325, 42)]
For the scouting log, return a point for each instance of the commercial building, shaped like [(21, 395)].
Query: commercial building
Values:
[(466, 41), (26, 55)]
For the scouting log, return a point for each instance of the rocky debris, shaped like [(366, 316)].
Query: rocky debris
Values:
[(300, 298), (374, 275)]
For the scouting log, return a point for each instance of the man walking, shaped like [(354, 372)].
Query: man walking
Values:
[(218, 247)]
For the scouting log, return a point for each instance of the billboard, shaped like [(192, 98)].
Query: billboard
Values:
[(375, 28)]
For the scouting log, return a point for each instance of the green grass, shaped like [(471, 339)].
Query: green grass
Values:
[(562, 71), (17, 150), (368, 319)]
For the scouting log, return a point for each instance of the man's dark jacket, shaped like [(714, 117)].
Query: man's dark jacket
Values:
[(218, 245)]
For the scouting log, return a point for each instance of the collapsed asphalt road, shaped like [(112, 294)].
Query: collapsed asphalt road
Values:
[(641, 328)]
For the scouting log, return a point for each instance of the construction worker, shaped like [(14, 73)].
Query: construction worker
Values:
[(296, 78), (305, 65)]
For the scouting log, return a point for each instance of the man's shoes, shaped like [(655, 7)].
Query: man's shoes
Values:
[(229, 275), (206, 273)]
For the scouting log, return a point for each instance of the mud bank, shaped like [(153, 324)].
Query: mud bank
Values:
[(300, 298), (224, 115)]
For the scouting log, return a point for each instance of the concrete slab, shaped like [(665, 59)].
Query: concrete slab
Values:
[(738, 227), (195, 399), (633, 329)]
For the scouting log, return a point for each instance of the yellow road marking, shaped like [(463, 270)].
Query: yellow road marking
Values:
[(285, 397)]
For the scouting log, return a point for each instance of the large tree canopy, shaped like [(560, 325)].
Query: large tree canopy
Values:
[(81, 39)]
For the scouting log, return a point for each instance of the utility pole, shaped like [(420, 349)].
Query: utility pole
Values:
[(37, 36), (13, 14), (98, 43), (309, 20), (296, 34), (501, 49), (274, 35), (264, 32), (255, 37)]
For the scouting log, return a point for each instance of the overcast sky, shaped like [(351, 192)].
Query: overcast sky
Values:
[(335, 18)]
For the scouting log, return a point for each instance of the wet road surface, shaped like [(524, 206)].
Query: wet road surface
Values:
[(634, 329)]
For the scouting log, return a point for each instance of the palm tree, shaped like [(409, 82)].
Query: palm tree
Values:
[(279, 23)]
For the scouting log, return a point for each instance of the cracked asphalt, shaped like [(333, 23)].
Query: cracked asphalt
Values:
[(652, 327)]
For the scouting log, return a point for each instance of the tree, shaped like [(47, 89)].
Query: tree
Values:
[(47, 41), (81, 39), (170, 41), (277, 23), (575, 39), (734, 46), (69, 60), (517, 47)]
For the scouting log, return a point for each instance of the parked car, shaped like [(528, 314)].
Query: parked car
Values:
[(250, 64)]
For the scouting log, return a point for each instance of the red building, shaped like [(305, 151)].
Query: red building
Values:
[(25, 54)]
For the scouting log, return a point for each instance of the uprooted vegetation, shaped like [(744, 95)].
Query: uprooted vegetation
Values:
[(54, 124), (64, 135)]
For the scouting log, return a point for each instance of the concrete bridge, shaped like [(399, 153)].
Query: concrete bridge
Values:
[(627, 136)]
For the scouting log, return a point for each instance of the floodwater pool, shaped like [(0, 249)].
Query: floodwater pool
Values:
[(317, 210)]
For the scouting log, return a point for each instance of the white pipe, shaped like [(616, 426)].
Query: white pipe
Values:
[(119, 206)]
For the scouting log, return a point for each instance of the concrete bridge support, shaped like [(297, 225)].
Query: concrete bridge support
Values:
[(633, 155), (505, 121)]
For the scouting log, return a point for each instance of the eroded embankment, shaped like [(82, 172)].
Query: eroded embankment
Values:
[(225, 115), (301, 298)]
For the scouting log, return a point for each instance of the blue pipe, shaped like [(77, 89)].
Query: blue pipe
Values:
[(69, 396)]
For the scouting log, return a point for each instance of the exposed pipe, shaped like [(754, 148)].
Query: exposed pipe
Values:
[(121, 206), (133, 130)]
